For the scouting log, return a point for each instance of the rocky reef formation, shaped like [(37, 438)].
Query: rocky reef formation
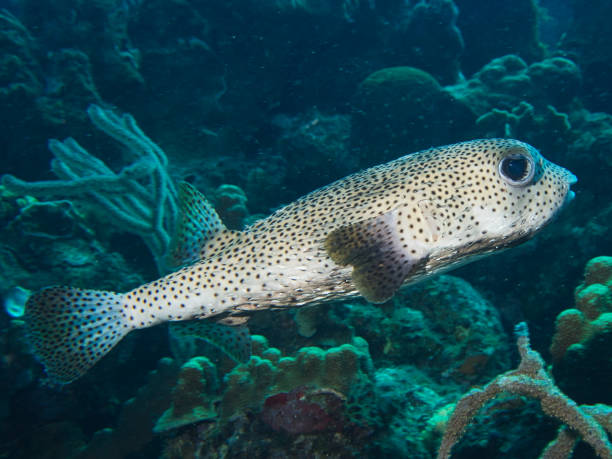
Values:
[(255, 104)]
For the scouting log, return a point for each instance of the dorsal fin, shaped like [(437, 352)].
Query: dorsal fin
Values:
[(381, 262), (198, 224)]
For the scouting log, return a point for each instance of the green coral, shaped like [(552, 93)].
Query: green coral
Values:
[(592, 315), (524, 121), (193, 396), (507, 80), (583, 337), (345, 369)]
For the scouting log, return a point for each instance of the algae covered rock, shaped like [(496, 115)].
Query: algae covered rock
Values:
[(399, 110), (407, 399), (442, 327), (464, 333)]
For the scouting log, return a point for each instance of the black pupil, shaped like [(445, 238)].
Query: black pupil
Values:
[(515, 168)]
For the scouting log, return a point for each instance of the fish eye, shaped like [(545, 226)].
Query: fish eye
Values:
[(517, 169)]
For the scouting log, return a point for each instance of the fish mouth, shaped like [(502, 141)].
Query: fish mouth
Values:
[(571, 180)]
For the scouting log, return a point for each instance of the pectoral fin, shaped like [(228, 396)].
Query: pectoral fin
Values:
[(380, 258)]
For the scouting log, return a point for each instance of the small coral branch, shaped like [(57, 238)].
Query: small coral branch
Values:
[(530, 379), (141, 198)]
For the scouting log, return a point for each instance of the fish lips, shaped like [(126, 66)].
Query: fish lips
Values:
[(571, 180)]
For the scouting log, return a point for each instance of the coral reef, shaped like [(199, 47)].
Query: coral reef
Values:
[(592, 315), (16, 368), (399, 110), (436, 43), (506, 81), (407, 399), (340, 369), (40, 93), (140, 199), (115, 60), (180, 68), (532, 102), (530, 379), (192, 397), (230, 204), (315, 391), (257, 103), (55, 241), (138, 416), (301, 412), (315, 147), (442, 326), (583, 336), (496, 28), (524, 121)]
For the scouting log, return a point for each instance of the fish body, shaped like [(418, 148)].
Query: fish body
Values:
[(367, 234)]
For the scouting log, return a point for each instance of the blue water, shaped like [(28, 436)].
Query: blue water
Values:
[(256, 104)]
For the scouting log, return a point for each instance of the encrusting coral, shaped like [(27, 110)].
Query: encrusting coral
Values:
[(344, 369), (285, 392), (193, 397)]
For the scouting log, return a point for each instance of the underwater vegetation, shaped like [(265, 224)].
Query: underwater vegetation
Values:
[(107, 106)]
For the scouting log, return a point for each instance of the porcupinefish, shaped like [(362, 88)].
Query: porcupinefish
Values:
[(367, 234)]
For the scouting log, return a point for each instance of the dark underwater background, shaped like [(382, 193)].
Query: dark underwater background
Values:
[(256, 103)]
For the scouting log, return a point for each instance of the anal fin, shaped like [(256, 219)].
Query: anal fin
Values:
[(234, 341), (380, 259)]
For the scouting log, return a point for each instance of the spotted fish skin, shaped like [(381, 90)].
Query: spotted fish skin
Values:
[(367, 234)]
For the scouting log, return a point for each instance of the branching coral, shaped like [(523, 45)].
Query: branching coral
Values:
[(140, 199), (530, 379)]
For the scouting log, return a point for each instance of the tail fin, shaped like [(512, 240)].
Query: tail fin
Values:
[(71, 329)]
